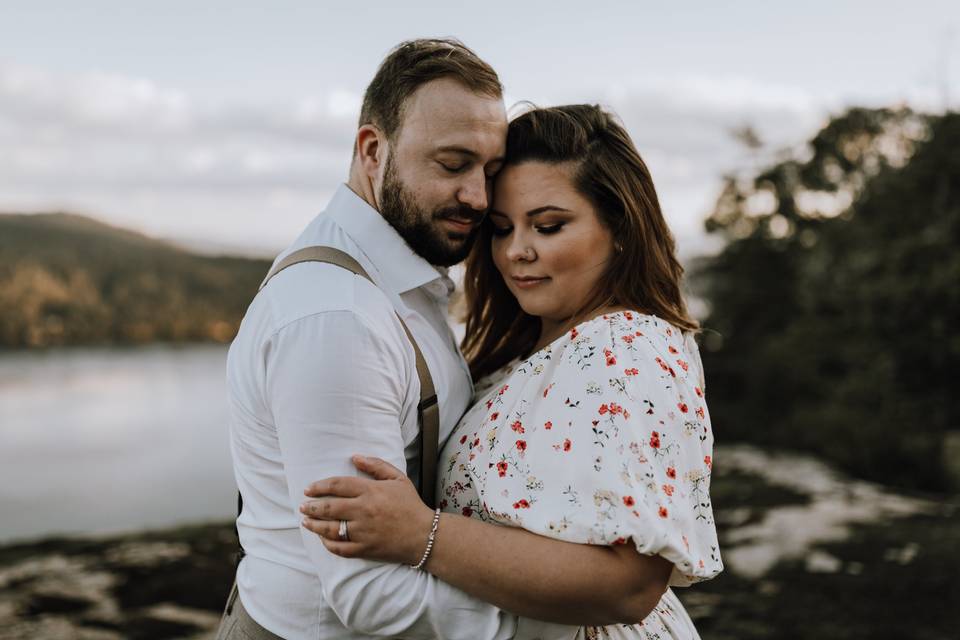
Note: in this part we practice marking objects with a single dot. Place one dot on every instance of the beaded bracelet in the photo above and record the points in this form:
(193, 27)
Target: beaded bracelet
(433, 534)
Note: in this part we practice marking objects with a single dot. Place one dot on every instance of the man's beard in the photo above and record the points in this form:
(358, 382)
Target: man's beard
(421, 229)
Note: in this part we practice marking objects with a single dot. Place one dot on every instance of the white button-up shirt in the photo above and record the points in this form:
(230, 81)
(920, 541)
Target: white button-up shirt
(321, 369)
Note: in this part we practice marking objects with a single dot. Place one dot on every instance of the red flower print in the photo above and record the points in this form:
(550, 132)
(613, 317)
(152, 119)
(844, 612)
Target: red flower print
(574, 333)
(672, 372)
(669, 331)
(629, 501)
(443, 503)
(615, 408)
(603, 409)
(628, 339)
(631, 372)
(517, 426)
(683, 365)
(548, 425)
(682, 406)
(476, 442)
(663, 512)
(489, 403)
(502, 468)
(707, 460)
(467, 511)
(701, 563)
(686, 543)
(671, 472)
(521, 504)
(628, 315)
(672, 350)
(494, 415)
(638, 334)
(663, 365)
(502, 389)
(547, 390)
(522, 445)
(463, 439)
(567, 444)
(620, 541)
(655, 440)
(698, 391)
(611, 359)
(700, 413)
(668, 489)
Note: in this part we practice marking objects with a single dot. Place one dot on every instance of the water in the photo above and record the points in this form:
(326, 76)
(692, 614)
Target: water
(108, 440)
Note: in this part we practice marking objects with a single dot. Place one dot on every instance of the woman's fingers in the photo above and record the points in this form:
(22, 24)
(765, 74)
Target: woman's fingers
(327, 508)
(379, 469)
(342, 486)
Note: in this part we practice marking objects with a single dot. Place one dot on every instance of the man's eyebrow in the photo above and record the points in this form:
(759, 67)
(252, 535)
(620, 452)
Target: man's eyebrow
(532, 212)
(466, 152)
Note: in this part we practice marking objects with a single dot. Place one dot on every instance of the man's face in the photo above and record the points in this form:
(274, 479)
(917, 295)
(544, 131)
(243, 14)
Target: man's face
(436, 184)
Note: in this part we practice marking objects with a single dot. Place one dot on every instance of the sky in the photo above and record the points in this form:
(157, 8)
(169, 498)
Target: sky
(226, 126)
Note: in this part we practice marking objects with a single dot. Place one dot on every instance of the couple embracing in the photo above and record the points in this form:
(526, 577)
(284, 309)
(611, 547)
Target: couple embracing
(550, 480)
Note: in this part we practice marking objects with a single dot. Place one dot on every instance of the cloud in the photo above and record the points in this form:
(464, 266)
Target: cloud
(145, 156)
(149, 157)
(683, 127)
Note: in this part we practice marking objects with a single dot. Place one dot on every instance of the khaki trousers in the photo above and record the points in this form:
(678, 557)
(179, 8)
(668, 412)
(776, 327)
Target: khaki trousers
(236, 623)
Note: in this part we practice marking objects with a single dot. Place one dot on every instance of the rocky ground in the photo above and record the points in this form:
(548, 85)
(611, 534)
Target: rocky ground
(809, 554)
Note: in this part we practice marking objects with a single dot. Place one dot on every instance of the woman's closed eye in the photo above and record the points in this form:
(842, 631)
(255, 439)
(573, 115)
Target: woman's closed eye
(545, 229)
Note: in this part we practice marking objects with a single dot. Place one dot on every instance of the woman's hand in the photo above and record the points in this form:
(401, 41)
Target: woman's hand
(386, 520)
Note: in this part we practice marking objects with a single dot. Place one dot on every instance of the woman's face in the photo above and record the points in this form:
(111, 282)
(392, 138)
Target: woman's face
(548, 242)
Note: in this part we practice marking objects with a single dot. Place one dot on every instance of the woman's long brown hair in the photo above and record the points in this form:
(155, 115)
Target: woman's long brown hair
(643, 273)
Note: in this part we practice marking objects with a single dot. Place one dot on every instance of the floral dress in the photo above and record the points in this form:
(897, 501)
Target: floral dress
(602, 437)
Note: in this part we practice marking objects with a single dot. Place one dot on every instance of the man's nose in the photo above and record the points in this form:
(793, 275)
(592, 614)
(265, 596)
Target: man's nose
(474, 192)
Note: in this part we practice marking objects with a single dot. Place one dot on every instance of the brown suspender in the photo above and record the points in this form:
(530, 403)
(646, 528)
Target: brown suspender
(428, 409)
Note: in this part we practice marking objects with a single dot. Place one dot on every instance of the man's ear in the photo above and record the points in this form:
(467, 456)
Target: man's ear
(371, 150)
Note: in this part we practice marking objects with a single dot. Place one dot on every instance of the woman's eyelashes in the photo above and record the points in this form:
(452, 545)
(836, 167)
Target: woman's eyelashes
(545, 229)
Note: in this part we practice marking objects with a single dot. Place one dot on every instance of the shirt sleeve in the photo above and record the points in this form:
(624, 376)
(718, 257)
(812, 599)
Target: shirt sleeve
(607, 441)
(337, 388)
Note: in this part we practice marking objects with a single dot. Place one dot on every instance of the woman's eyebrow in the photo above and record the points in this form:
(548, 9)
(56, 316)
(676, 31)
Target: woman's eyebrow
(544, 209)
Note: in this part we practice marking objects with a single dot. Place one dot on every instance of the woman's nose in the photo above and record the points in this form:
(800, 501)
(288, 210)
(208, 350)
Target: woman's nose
(519, 248)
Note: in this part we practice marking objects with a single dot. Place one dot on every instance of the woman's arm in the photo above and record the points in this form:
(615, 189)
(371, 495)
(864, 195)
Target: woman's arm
(521, 572)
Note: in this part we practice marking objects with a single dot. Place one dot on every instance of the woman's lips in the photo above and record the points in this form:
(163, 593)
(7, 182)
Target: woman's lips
(527, 282)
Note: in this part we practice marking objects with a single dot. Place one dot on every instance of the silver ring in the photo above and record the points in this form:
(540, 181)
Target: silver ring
(342, 532)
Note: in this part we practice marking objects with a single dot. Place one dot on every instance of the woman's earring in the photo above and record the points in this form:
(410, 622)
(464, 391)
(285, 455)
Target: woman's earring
(618, 247)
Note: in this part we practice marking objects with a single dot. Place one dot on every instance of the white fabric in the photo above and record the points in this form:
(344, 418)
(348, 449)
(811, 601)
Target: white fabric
(321, 369)
(602, 437)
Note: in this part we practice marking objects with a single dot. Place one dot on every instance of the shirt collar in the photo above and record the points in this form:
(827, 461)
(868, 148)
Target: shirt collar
(400, 268)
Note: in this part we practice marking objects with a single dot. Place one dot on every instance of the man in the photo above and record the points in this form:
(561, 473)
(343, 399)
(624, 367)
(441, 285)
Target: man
(322, 368)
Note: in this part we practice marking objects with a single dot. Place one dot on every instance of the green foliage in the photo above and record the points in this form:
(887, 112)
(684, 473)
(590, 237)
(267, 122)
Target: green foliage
(67, 279)
(832, 302)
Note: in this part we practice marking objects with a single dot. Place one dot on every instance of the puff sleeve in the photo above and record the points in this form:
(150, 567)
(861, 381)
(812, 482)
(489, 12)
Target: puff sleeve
(604, 438)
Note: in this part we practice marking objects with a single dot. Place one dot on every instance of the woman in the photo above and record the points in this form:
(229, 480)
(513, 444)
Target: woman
(589, 428)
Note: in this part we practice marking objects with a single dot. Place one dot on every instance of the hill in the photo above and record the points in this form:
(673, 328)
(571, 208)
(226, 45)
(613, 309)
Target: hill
(67, 279)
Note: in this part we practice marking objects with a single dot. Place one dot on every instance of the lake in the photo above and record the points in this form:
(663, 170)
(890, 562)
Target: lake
(102, 440)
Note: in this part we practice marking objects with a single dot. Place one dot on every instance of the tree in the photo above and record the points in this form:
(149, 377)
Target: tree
(831, 303)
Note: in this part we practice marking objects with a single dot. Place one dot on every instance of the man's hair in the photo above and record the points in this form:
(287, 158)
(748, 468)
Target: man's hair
(414, 63)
